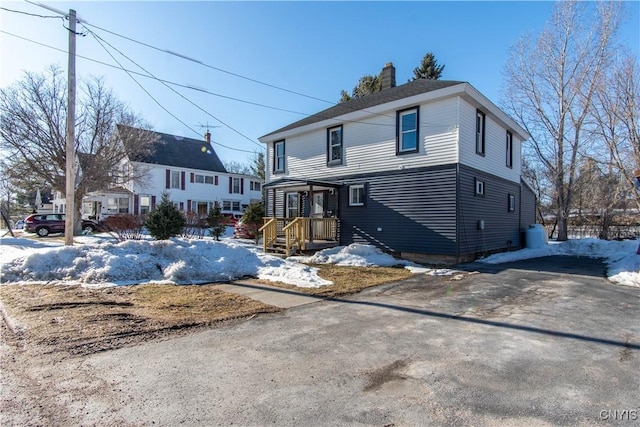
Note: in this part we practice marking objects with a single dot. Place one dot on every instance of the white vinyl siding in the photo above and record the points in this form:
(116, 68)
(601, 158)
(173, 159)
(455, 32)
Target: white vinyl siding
(371, 145)
(493, 161)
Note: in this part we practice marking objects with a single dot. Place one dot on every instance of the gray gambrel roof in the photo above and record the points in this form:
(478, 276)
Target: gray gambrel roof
(412, 88)
(176, 151)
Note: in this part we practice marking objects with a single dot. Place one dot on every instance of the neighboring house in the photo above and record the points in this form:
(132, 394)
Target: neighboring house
(188, 169)
(430, 167)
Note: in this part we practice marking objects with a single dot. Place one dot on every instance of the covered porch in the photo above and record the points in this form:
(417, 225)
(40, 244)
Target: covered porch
(302, 215)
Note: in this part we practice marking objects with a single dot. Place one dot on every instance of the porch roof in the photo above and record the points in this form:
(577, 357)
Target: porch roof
(302, 184)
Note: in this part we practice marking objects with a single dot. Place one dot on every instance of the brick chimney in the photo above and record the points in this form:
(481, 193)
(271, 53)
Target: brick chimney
(388, 76)
(207, 137)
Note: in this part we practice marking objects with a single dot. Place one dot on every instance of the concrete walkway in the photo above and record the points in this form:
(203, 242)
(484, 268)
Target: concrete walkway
(278, 297)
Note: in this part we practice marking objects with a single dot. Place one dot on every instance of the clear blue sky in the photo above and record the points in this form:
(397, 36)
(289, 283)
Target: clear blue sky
(314, 48)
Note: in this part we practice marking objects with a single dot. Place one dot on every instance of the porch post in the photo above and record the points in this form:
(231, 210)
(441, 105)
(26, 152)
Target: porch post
(311, 206)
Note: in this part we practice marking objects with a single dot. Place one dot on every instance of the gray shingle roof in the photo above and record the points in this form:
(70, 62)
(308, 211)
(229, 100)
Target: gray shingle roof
(406, 90)
(176, 151)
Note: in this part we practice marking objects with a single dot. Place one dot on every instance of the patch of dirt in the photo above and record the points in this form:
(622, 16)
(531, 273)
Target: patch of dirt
(77, 320)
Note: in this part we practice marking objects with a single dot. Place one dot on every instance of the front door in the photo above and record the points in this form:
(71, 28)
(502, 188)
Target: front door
(317, 210)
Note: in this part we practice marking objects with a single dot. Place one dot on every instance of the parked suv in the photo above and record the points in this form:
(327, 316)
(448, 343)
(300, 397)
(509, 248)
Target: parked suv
(45, 224)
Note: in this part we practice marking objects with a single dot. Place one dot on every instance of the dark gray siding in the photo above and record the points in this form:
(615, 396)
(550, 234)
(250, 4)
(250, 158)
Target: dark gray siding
(527, 207)
(501, 227)
(414, 209)
(278, 209)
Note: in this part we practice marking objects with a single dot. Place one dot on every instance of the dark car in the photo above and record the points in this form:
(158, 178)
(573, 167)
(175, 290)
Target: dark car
(45, 224)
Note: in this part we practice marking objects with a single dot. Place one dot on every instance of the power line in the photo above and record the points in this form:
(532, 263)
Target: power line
(197, 61)
(208, 92)
(185, 86)
(176, 92)
(223, 71)
(159, 104)
(31, 14)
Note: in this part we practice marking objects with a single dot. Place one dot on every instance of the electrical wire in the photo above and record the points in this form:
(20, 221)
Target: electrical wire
(32, 14)
(197, 61)
(100, 40)
(85, 24)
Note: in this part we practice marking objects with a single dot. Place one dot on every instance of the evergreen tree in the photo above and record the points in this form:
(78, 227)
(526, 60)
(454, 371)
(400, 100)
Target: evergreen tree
(165, 220)
(216, 222)
(428, 69)
(258, 165)
(366, 86)
(253, 218)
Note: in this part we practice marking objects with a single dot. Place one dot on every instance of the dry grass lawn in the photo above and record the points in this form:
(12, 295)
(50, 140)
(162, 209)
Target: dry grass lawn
(81, 320)
(349, 280)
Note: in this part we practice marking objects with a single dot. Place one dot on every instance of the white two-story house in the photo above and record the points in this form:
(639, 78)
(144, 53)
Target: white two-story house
(189, 170)
(429, 170)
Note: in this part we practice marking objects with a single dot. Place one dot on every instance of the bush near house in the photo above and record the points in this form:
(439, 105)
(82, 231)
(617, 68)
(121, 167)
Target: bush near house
(165, 221)
(217, 222)
(253, 218)
(124, 227)
(195, 226)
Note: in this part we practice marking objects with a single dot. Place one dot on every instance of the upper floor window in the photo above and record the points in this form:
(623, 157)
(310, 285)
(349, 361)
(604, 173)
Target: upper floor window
(407, 131)
(278, 156)
(334, 145)
(175, 179)
(254, 185)
(509, 149)
(480, 131)
(236, 186)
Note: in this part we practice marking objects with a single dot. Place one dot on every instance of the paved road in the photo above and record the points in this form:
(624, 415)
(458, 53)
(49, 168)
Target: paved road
(547, 342)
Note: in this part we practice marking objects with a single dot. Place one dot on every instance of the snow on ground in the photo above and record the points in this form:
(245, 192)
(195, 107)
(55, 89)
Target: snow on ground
(98, 260)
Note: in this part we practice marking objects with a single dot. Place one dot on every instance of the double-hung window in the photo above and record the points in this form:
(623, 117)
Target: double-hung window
(145, 204)
(175, 179)
(480, 132)
(235, 186)
(278, 156)
(334, 145)
(356, 195)
(407, 131)
(509, 149)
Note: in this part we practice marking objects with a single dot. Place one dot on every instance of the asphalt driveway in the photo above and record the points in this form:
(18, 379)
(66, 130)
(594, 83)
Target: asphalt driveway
(539, 342)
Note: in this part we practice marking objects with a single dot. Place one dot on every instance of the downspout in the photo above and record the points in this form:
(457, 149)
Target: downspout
(458, 207)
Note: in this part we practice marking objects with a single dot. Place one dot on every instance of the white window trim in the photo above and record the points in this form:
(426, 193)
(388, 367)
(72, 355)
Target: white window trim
(352, 202)
(512, 203)
(480, 188)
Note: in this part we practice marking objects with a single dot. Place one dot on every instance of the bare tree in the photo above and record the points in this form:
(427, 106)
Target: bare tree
(616, 114)
(32, 126)
(550, 87)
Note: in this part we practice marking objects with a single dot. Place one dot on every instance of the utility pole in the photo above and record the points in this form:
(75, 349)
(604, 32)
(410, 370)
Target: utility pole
(70, 143)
